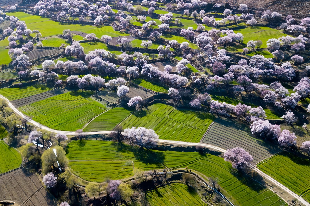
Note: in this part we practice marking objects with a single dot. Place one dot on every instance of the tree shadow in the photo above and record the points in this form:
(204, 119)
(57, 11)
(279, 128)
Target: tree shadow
(143, 155)
(85, 94)
(251, 179)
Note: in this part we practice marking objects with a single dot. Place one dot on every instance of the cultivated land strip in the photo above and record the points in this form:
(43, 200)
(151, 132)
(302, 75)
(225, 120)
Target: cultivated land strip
(176, 143)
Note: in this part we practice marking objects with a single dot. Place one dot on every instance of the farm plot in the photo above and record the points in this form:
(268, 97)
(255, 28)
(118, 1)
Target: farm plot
(97, 160)
(69, 111)
(9, 158)
(172, 124)
(150, 86)
(19, 93)
(106, 96)
(290, 170)
(174, 194)
(53, 42)
(228, 135)
(238, 188)
(33, 98)
(6, 75)
(24, 189)
(44, 25)
(135, 91)
(4, 53)
(108, 120)
(40, 53)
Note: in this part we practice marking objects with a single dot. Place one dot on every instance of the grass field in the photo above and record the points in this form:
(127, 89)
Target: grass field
(180, 39)
(97, 160)
(48, 27)
(53, 42)
(170, 123)
(174, 194)
(151, 86)
(9, 158)
(108, 120)
(97, 45)
(69, 111)
(3, 132)
(137, 43)
(6, 75)
(260, 33)
(19, 93)
(4, 53)
(290, 170)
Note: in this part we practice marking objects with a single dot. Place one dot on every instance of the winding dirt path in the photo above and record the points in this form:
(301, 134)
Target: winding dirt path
(176, 143)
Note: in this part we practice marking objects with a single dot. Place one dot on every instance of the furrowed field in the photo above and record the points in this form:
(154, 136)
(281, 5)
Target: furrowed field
(97, 160)
(69, 111)
(174, 194)
(108, 120)
(170, 123)
(292, 171)
(9, 158)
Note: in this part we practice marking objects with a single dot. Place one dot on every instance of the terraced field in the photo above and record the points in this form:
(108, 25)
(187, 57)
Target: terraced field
(108, 120)
(174, 194)
(172, 124)
(19, 93)
(151, 86)
(290, 170)
(69, 111)
(9, 158)
(228, 135)
(96, 160)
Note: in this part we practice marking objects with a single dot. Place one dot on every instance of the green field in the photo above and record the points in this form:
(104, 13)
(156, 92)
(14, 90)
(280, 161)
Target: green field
(53, 42)
(290, 170)
(271, 115)
(9, 158)
(18, 93)
(48, 27)
(97, 45)
(6, 75)
(137, 43)
(108, 120)
(97, 160)
(150, 85)
(260, 33)
(69, 111)
(172, 124)
(4, 53)
(174, 194)
(180, 39)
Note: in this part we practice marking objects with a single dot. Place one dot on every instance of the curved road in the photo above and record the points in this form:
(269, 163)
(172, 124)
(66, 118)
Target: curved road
(176, 143)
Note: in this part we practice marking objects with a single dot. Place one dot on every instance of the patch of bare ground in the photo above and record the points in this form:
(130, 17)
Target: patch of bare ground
(24, 189)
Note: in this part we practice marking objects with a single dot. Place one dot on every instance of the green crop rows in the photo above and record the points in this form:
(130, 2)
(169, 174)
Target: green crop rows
(170, 123)
(150, 86)
(108, 120)
(292, 171)
(174, 194)
(19, 93)
(228, 135)
(97, 160)
(9, 158)
(68, 111)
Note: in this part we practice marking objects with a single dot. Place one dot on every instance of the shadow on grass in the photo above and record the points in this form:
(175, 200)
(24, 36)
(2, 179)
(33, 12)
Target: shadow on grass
(143, 155)
(253, 180)
(85, 94)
